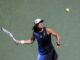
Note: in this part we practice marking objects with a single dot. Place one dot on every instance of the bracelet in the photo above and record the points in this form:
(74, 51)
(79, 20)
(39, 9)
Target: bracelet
(22, 41)
(58, 44)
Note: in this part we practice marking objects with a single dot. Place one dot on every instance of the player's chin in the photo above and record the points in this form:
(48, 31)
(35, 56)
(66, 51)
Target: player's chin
(40, 27)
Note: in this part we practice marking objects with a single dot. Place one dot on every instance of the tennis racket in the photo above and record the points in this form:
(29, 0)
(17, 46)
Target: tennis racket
(8, 33)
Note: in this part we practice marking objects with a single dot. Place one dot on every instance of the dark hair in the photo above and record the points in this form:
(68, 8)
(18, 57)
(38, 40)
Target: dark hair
(36, 29)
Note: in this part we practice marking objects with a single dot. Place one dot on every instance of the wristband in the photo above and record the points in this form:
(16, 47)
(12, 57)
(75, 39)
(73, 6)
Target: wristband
(22, 41)
(58, 44)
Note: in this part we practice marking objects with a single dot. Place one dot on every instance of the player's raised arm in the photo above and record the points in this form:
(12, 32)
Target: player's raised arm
(55, 34)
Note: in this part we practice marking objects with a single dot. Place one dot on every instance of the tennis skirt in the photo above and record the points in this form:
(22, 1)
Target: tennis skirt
(52, 55)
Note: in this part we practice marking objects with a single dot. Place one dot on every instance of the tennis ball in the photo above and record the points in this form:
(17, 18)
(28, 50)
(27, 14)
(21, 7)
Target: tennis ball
(67, 9)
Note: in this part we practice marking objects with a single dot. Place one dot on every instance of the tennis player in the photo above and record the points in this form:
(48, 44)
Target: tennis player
(42, 34)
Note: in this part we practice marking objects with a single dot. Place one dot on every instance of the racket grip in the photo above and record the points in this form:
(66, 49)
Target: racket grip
(14, 39)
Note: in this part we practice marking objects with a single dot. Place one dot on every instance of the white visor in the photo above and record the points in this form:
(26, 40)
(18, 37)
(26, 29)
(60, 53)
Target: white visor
(36, 21)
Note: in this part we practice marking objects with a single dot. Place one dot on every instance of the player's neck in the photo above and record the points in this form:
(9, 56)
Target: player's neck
(40, 29)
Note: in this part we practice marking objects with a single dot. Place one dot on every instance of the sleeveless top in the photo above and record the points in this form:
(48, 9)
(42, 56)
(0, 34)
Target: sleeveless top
(44, 41)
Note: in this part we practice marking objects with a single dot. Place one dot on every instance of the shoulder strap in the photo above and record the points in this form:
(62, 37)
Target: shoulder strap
(46, 31)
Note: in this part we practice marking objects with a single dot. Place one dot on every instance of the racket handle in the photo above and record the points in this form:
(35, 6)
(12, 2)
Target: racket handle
(14, 39)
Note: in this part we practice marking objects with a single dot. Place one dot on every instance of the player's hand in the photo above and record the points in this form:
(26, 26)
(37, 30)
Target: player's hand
(20, 42)
(17, 42)
(59, 45)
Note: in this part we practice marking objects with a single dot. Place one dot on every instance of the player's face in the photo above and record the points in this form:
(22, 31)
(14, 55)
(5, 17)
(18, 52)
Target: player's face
(40, 25)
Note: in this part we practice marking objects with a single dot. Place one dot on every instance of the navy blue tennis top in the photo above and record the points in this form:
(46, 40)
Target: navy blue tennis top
(44, 41)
